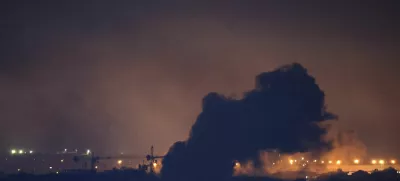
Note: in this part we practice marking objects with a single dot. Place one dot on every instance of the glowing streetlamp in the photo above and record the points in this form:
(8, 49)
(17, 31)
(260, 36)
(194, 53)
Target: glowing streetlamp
(393, 162)
(119, 162)
(356, 161)
(373, 162)
(338, 162)
(13, 152)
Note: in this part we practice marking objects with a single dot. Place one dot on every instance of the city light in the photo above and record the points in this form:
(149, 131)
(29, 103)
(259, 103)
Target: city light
(302, 158)
(291, 162)
(393, 161)
(30, 151)
(373, 162)
(338, 162)
(315, 161)
(119, 162)
(21, 151)
(381, 162)
(237, 164)
(13, 152)
(50, 168)
(330, 161)
(96, 167)
(62, 160)
(322, 162)
(356, 161)
(57, 172)
(154, 164)
(18, 169)
(87, 152)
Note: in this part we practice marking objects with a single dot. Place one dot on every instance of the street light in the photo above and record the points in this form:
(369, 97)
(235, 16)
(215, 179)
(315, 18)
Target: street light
(373, 162)
(356, 161)
(119, 162)
(13, 152)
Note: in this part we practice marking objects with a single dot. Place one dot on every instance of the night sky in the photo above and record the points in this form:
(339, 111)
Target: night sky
(118, 76)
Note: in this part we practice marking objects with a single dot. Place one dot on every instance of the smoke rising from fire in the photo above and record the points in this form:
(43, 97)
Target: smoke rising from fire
(282, 112)
(346, 148)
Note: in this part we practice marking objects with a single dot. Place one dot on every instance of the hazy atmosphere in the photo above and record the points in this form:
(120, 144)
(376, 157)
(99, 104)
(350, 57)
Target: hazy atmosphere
(110, 77)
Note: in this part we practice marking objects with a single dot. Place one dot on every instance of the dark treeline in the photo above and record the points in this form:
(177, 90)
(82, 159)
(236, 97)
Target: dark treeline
(133, 175)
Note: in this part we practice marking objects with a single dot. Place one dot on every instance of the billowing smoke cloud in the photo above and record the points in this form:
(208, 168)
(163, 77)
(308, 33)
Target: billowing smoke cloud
(282, 112)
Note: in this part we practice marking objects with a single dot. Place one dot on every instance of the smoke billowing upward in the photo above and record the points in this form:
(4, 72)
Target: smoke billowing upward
(282, 112)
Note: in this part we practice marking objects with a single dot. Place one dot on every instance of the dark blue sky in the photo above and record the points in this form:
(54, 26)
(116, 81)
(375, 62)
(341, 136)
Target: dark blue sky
(122, 75)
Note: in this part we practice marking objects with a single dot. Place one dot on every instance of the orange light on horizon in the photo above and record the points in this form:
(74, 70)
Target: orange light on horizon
(338, 162)
(356, 161)
(373, 162)
(393, 161)
(381, 162)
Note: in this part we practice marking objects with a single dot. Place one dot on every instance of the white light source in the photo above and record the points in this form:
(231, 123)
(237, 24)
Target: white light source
(21, 151)
(87, 152)
(119, 162)
(50, 168)
(62, 160)
(13, 152)
(30, 151)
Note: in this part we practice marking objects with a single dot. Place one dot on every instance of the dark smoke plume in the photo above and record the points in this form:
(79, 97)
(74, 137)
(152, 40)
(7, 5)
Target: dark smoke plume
(282, 112)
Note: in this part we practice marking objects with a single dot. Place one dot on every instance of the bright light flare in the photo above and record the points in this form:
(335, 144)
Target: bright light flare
(21, 151)
(330, 161)
(119, 162)
(88, 152)
(13, 152)
(291, 162)
(373, 162)
(237, 164)
(154, 164)
(356, 161)
(393, 161)
(381, 162)
(322, 162)
(30, 151)
(338, 162)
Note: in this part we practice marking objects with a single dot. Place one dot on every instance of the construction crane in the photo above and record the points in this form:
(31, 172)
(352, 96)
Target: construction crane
(93, 159)
(152, 160)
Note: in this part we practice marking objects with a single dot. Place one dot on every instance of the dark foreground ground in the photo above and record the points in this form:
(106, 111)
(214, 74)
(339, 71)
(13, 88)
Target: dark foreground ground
(134, 175)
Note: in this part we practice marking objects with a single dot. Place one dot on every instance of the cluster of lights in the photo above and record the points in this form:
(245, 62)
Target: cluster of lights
(339, 162)
(20, 152)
